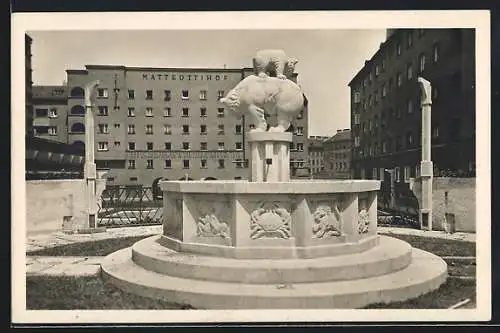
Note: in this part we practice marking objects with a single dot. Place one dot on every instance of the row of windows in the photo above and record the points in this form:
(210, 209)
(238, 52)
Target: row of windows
(408, 172)
(167, 94)
(44, 113)
(339, 166)
(104, 146)
(186, 164)
(388, 86)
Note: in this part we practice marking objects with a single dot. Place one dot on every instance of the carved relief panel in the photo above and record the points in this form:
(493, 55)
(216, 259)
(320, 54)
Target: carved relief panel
(211, 217)
(327, 221)
(363, 217)
(270, 220)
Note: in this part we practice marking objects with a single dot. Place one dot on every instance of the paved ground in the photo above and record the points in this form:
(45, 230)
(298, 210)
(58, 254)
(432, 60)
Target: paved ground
(87, 266)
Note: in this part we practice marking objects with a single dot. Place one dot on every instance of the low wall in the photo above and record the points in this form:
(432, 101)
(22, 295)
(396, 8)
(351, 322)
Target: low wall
(56, 205)
(461, 201)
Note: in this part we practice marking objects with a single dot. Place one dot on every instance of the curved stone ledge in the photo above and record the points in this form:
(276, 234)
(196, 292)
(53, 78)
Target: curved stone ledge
(269, 252)
(291, 187)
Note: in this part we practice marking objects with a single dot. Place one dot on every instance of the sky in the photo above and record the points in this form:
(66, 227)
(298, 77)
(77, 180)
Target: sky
(328, 59)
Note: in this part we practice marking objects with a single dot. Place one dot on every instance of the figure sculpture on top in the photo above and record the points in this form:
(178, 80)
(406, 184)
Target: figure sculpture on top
(270, 91)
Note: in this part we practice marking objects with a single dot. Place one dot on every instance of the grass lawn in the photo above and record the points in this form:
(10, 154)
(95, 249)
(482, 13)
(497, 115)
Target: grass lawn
(84, 293)
(440, 247)
(93, 248)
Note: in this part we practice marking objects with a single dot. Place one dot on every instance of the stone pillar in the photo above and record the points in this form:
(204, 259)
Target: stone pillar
(426, 167)
(270, 157)
(90, 171)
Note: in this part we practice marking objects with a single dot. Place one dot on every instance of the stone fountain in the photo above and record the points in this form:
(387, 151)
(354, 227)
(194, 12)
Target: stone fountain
(271, 242)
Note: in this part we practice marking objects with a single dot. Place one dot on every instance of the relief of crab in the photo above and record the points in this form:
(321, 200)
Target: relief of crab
(270, 222)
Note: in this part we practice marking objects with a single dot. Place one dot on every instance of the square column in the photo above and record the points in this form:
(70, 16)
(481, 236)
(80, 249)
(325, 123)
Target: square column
(270, 156)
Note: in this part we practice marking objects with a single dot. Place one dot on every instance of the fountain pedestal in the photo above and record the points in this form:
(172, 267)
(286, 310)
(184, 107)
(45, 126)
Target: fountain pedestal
(270, 156)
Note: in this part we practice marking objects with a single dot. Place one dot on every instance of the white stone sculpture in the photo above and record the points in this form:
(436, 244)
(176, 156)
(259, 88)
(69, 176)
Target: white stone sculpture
(326, 223)
(274, 63)
(258, 96)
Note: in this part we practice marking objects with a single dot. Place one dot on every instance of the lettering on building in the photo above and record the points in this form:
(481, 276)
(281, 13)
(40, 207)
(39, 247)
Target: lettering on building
(183, 77)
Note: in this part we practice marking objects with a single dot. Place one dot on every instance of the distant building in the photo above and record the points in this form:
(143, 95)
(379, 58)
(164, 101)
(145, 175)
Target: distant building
(154, 123)
(316, 155)
(385, 105)
(50, 116)
(337, 155)
(28, 85)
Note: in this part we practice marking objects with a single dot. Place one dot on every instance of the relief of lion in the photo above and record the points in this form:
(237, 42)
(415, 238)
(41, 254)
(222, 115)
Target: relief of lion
(274, 63)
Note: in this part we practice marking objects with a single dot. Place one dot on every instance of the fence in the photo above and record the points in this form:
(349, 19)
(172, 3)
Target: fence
(130, 206)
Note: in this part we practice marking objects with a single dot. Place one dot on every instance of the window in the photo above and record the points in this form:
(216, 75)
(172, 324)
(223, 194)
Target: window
(421, 61)
(203, 164)
(237, 129)
(220, 145)
(399, 79)
(131, 146)
(117, 144)
(203, 146)
(221, 164)
(376, 96)
(299, 131)
(102, 92)
(239, 164)
(149, 94)
(185, 94)
(167, 95)
(167, 112)
(149, 129)
(185, 112)
(301, 114)
(220, 129)
(421, 32)
(356, 141)
(398, 49)
(41, 113)
(185, 129)
(397, 174)
(149, 145)
(220, 94)
(131, 164)
(435, 53)
(185, 164)
(220, 112)
(383, 64)
(435, 132)
(102, 146)
(374, 173)
(300, 146)
(131, 112)
(398, 113)
(102, 110)
(185, 145)
(384, 90)
(370, 77)
(370, 101)
(203, 94)
(410, 106)
(239, 146)
(168, 164)
(407, 174)
(434, 92)
(409, 71)
(53, 113)
(203, 112)
(410, 39)
(384, 147)
(203, 129)
(381, 174)
(52, 130)
(131, 94)
(149, 164)
(149, 112)
(167, 129)
(377, 70)
(357, 97)
(409, 138)
(251, 126)
(103, 128)
(133, 179)
(131, 129)
(168, 145)
(117, 125)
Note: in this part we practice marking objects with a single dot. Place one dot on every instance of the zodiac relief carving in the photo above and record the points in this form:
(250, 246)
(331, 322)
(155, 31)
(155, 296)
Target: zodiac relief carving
(270, 221)
(363, 221)
(210, 226)
(326, 223)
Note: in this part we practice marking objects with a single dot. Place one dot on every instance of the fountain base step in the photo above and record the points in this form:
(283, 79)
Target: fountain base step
(424, 273)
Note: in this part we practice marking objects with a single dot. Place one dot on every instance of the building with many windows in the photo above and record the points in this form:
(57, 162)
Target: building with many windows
(153, 123)
(316, 155)
(385, 104)
(338, 155)
(28, 85)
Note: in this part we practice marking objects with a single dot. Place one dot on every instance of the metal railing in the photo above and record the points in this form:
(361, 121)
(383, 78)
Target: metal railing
(129, 206)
